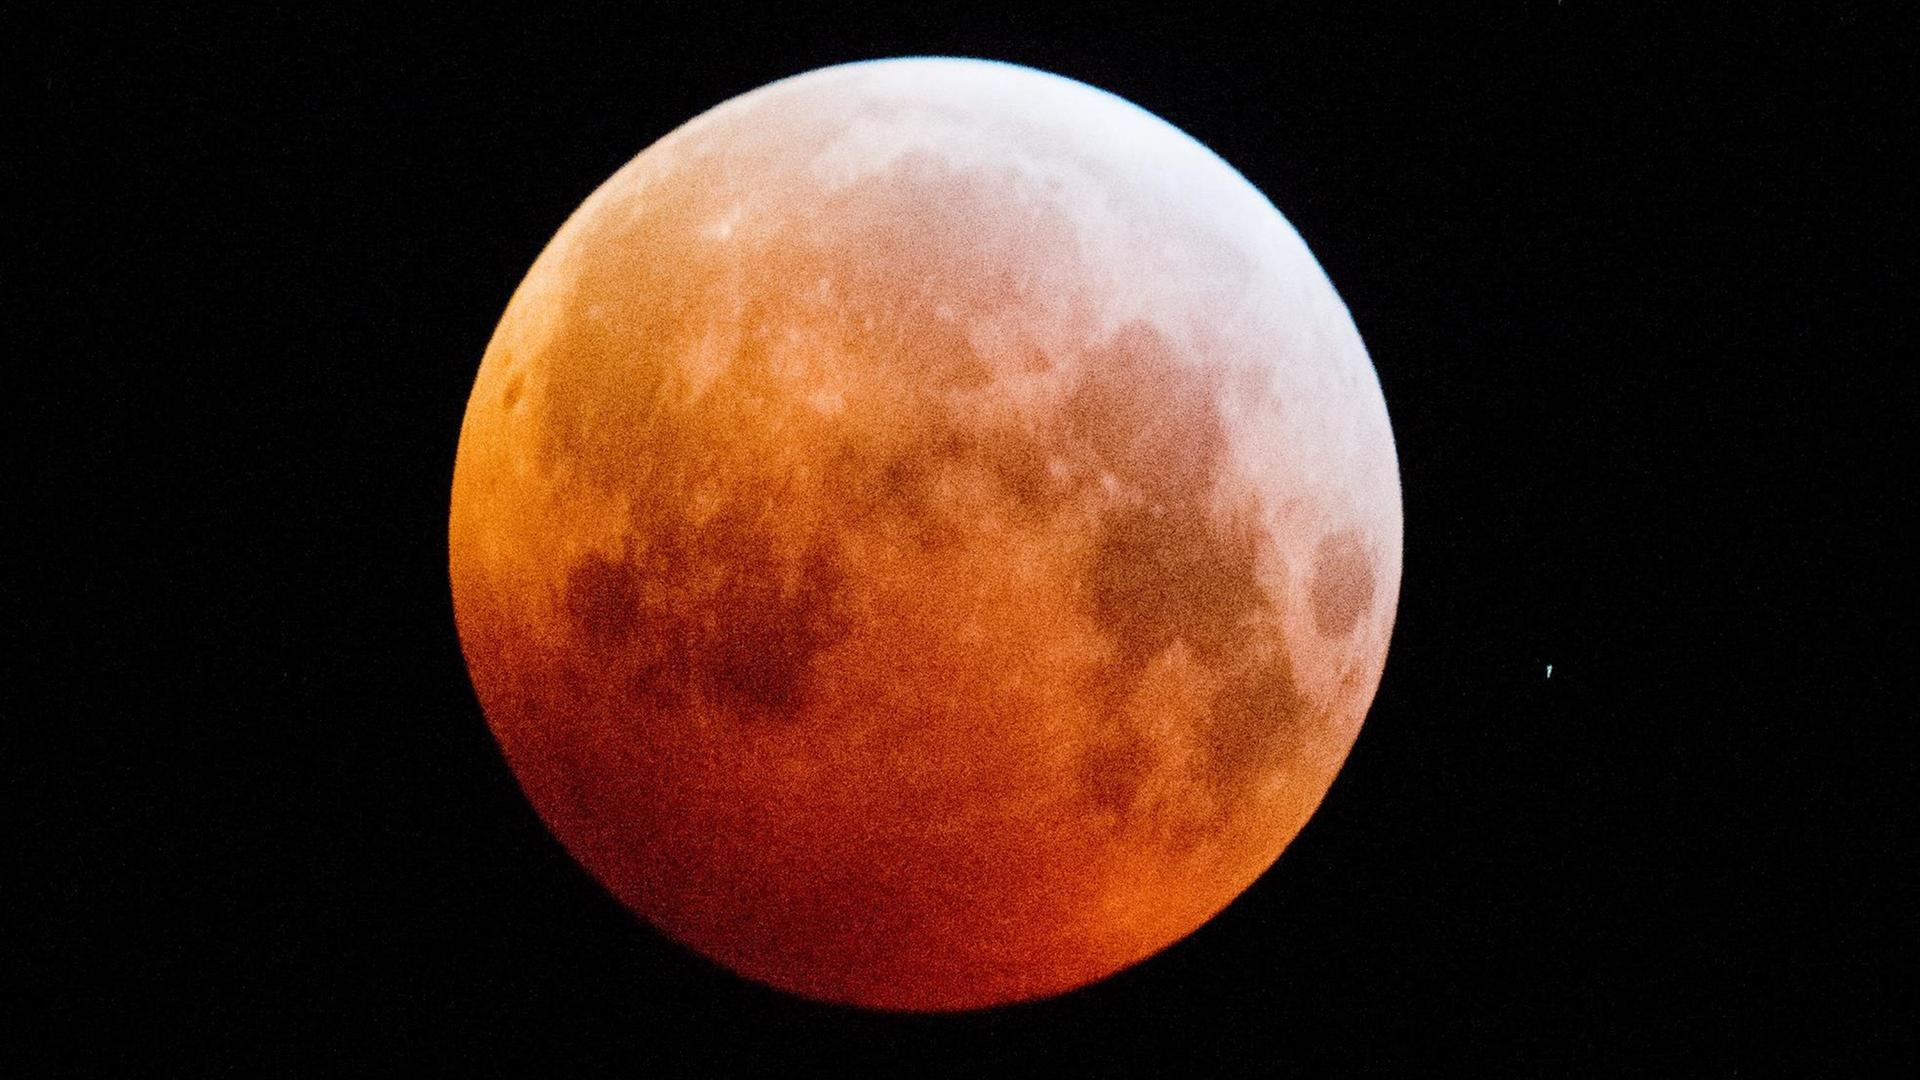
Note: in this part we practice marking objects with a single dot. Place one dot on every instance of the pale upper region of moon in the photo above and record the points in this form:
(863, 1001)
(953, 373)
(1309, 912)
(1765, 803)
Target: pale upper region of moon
(926, 533)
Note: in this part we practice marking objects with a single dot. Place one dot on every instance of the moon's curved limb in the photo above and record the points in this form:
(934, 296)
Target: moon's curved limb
(925, 534)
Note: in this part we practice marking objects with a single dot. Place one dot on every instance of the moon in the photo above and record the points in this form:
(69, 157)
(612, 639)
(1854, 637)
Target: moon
(925, 534)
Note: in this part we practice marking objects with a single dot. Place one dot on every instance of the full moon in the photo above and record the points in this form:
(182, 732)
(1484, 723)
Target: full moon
(925, 534)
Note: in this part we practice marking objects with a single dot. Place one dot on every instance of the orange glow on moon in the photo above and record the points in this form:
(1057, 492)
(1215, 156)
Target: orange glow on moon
(925, 534)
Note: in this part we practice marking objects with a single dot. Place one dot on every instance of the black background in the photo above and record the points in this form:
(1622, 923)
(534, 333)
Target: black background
(1624, 285)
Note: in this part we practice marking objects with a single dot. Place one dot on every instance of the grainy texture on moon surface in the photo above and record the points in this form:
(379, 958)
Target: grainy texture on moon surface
(925, 534)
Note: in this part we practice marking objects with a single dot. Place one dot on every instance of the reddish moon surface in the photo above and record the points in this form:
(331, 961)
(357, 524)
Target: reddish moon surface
(925, 534)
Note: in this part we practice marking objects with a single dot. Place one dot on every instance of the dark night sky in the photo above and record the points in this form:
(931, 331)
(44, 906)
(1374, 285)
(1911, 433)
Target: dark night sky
(1624, 288)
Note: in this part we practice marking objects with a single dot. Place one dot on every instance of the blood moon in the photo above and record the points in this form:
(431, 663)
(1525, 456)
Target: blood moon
(925, 534)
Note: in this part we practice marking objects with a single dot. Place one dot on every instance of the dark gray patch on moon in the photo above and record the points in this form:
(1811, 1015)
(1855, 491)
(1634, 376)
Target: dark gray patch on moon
(1112, 770)
(714, 610)
(1342, 589)
(603, 599)
(1252, 711)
